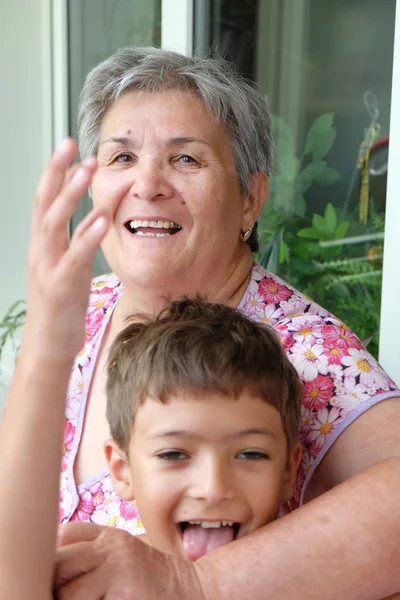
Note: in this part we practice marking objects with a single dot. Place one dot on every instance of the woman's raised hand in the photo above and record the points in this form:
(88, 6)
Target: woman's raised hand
(60, 269)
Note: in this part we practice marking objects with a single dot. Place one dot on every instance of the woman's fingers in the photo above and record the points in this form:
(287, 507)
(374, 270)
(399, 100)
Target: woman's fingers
(71, 533)
(87, 237)
(54, 239)
(52, 179)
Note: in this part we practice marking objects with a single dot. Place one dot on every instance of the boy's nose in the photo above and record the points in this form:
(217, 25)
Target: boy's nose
(214, 482)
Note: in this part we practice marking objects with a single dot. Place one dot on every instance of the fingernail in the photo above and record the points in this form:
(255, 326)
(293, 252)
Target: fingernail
(79, 176)
(100, 224)
(62, 145)
(89, 162)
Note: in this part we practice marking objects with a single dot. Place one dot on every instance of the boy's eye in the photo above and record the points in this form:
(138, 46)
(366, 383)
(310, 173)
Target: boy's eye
(171, 455)
(253, 455)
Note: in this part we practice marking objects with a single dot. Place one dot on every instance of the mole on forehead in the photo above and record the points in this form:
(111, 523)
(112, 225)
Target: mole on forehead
(128, 132)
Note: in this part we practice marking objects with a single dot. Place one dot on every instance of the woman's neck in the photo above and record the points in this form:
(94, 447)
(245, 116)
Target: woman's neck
(150, 301)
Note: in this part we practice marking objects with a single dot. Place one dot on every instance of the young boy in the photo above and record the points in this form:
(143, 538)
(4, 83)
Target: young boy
(203, 407)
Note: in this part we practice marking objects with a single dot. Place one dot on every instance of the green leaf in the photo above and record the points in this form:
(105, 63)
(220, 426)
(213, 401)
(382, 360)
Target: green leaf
(306, 249)
(284, 252)
(341, 230)
(309, 233)
(330, 218)
(284, 145)
(321, 136)
(318, 222)
(328, 177)
(310, 174)
(299, 205)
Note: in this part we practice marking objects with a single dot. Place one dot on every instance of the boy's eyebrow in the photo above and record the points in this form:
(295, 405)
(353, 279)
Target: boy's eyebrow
(192, 434)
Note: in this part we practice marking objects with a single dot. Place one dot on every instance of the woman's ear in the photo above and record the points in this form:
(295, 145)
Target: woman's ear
(290, 475)
(119, 470)
(258, 192)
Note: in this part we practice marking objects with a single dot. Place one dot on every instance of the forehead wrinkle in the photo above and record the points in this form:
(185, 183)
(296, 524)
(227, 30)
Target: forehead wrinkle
(127, 142)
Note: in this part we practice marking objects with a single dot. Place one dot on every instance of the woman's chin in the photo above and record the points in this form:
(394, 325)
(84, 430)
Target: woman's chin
(150, 272)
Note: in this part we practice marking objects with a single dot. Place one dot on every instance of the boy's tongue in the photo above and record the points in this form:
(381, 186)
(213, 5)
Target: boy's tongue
(198, 541)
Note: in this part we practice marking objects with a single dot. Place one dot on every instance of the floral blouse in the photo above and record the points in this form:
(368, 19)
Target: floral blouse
(341, 381)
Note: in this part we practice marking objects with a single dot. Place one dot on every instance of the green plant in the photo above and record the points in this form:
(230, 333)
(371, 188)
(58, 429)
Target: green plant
(319, 253)
(11, 323)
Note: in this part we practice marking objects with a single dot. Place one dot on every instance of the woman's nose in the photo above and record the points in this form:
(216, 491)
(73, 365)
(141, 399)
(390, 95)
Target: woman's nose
(214, 482)
(149, 182)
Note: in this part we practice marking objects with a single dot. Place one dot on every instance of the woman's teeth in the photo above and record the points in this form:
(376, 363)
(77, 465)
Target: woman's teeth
(155, 224)
(150, 234)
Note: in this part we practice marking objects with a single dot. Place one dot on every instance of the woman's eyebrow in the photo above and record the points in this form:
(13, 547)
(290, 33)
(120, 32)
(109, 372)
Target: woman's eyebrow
(181, 140)
(174, 141)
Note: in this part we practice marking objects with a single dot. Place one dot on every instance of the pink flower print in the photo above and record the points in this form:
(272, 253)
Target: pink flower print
(318, 392)
(66, 504)
(338, 335)
(97, 495)
(349, 394)
(76, 386)
(294, 306)
(307, 329)
(270, 314)
(325, 421)
(69, 434)
(309, 360)
(360, 363)
(85, 507)
(273, 292)
(72, 409)
(100, 300)
(82, 359)
(129, 510)
(254, 306)
(93, 324)
(109, 515)
(306, 418)
(335, 353)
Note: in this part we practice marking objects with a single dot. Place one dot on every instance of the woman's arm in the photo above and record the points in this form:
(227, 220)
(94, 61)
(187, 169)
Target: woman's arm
(343, 544)
(32, 425)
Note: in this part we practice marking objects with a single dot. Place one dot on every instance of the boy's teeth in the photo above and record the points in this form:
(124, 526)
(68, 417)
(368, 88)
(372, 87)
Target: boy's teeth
(212, 524)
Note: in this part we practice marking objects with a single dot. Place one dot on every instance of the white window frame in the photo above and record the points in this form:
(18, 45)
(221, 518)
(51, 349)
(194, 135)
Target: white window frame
(177, 26)
(177, 34)
(389, 343)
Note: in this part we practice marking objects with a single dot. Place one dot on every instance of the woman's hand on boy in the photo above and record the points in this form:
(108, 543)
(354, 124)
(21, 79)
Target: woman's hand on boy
(102, 563)
(59, 269)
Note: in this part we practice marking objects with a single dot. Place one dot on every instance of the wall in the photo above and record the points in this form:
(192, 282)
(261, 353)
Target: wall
(25, 124)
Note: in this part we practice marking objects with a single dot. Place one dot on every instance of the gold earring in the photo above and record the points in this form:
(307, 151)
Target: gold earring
(245, 236)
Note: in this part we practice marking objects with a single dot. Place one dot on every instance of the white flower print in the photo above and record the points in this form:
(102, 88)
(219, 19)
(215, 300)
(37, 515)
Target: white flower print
(309, 360)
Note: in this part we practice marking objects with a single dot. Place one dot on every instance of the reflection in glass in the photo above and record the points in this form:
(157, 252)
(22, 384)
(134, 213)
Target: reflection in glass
(96, 29)
(326, 68)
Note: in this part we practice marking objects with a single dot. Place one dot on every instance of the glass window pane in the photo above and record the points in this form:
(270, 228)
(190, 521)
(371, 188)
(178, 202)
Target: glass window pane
(96, 28)
(326, 68)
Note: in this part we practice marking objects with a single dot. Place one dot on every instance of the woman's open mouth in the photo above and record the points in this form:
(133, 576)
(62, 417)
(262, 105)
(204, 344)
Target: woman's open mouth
(144, 228)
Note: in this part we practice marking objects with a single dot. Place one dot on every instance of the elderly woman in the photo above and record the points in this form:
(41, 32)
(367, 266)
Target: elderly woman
(183, 148)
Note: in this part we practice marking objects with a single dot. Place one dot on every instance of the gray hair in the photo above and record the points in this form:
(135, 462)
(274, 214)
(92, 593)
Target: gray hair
(228, 97)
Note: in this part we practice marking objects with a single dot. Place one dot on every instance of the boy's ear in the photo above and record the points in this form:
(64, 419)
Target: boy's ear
(290, 475)
(119, 470)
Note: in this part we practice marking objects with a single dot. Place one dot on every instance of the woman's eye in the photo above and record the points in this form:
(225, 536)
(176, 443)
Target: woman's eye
(253, 455)
(123, 158)
(186, 159)
(171, 455)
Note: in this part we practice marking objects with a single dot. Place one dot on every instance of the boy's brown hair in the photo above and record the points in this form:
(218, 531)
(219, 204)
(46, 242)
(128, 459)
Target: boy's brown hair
(200, 347)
